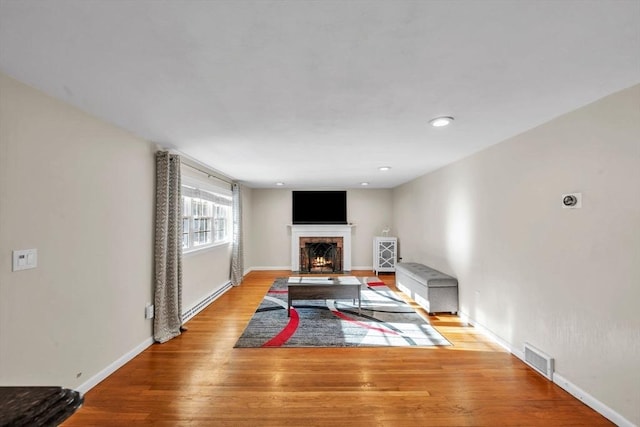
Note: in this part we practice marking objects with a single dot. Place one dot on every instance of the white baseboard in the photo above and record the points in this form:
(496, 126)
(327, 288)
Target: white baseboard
(288, 268)
(489, 334)
(558, 379)
(205, 301)
(591, 401)
(124, 359)
(96, 379)
(261, 268)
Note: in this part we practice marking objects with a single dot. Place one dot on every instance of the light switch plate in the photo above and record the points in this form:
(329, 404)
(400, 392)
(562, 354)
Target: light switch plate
(25, 259)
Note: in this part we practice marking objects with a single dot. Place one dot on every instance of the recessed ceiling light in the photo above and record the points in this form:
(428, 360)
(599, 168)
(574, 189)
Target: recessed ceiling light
(439, 122)
(384, 168)
(364, 184)
(279, 184)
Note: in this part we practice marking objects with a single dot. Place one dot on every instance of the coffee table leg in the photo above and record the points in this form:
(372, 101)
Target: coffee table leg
(289, 305)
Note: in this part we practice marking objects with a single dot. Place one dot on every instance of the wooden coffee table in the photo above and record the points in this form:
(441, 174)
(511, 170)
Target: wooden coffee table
(311, 288)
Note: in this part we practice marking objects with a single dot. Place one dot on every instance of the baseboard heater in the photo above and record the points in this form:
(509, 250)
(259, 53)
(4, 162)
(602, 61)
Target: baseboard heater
(539, 361)
(205, 302)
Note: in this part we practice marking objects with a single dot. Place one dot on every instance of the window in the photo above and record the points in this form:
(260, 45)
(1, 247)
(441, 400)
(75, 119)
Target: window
(205, 218)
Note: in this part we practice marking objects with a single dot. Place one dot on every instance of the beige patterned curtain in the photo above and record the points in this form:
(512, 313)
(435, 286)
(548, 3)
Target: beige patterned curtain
(167, 322)
(237, 265)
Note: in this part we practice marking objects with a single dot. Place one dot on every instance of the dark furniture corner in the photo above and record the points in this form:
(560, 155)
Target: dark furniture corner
(37, 406)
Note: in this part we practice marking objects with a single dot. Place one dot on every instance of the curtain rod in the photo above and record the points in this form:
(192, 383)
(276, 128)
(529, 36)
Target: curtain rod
(209, 174)
(186, 160)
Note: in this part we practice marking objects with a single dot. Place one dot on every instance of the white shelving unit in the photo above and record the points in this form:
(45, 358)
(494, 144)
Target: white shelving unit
(385, 254)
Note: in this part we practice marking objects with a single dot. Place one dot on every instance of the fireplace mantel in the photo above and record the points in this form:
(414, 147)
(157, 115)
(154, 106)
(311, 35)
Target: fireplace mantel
(321, 230)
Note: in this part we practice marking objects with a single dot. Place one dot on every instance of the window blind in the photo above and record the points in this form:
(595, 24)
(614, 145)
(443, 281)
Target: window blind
(199, 193)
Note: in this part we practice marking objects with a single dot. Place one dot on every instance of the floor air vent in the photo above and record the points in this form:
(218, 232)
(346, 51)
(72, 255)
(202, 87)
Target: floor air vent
(538, 361)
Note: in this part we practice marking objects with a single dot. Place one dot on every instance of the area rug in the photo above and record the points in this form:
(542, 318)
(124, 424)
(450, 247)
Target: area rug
(385, 320)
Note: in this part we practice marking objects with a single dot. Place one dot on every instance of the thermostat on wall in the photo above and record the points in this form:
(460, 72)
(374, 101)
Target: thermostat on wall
(25, 259)
(572, 201)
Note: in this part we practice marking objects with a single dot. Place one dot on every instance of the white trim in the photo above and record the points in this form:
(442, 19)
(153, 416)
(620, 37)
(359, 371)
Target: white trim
(288, 267)
(321, 230)
(205, 184)
(489, 334)
(198, 166)
(225, 211)
(204, 302)
(558, 379)
(127, 357)
(591, 401)
(114, 366)
(204, 248)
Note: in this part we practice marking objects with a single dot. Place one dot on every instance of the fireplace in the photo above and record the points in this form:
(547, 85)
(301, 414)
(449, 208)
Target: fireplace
(321, 254)
(321, 233)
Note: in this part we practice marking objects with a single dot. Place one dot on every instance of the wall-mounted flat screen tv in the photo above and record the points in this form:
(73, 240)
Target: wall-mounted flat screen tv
(319, 207)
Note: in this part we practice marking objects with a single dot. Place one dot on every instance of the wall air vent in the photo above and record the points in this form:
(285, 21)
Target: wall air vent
(539, 361)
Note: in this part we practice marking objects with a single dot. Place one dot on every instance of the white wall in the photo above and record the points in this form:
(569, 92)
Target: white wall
(370, 210)
(566, 281)
(203, 273)
(270, 239)
(206, 271)
(81, 192)
(247, 227)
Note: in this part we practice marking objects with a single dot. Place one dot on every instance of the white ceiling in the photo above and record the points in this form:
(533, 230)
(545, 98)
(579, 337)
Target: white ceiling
(321, 93)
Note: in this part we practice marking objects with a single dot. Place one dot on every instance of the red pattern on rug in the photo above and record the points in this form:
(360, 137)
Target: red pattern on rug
(383, 310)
(286, 333)
(376, 284)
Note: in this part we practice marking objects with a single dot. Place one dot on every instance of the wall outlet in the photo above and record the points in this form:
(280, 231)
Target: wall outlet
(148, 311)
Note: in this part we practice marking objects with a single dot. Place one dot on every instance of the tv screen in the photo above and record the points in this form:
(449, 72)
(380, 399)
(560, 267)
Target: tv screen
(319, 207)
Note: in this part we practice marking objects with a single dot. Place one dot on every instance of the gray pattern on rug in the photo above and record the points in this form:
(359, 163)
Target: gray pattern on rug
(386, 320)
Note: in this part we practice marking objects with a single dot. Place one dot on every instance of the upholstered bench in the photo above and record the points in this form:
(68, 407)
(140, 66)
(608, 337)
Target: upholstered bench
(435, 291)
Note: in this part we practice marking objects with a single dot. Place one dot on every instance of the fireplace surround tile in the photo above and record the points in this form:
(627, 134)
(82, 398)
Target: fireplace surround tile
(320, 231)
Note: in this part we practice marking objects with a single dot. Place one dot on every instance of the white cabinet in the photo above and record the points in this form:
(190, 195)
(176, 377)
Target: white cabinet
(385, 253)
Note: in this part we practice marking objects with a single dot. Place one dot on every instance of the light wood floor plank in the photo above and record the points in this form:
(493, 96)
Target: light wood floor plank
(199, 379)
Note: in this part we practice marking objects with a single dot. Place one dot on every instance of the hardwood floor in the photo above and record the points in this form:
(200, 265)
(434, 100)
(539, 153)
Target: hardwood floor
(199, 379)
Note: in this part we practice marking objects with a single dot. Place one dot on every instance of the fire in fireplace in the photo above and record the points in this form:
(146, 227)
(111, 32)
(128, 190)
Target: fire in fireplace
(321, 255)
